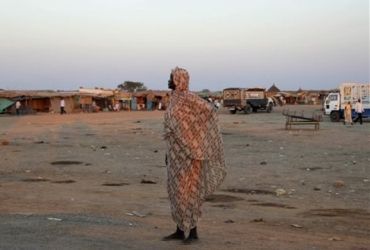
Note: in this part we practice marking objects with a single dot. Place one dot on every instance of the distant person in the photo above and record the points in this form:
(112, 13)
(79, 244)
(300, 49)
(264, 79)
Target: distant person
(62, 106)
(359, 109)
(160, 105)
(217, 104)
(348, 114)
(18, 107)
(195, 159)
(117, 107)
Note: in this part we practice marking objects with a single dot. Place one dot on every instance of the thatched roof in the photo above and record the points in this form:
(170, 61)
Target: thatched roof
(273, 88)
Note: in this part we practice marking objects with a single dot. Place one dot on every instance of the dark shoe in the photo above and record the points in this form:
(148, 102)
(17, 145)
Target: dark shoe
(193, 236)
(178, 235)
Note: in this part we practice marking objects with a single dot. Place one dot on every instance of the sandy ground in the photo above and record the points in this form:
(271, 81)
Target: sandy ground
(98, 181)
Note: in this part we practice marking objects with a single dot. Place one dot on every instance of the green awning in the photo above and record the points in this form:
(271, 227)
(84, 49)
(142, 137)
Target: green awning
(4, 104)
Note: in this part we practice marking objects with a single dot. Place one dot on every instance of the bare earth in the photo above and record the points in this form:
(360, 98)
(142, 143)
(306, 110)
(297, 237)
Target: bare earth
(76, 182)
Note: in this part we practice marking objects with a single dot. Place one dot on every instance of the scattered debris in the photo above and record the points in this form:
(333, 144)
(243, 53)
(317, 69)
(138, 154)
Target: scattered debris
(66, 163)
(249, 191)
(38, 179)
(4, 142)
(225, 206)
(280, 192)
(339, 184)
(229, 221)
(263, 163)
(258, 220)
(135, 213)
(339, 212)
(296, 226)
(64, 181)
(117, 184)
(316, 188)
(155, 151)
(103, 147)
(335, 239)
(271, 204)
(222, 198)
(54, 219)
(291, 191)
(144, 181)
(39, 142)
(312, 169)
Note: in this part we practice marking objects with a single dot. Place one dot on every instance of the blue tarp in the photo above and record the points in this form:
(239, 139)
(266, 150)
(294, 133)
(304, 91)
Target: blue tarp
(4, 104)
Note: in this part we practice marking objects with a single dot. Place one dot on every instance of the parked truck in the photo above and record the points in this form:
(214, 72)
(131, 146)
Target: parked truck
(348, 92)
(246, 100)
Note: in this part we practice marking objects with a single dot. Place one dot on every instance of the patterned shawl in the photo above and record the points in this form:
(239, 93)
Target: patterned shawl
(196, 165)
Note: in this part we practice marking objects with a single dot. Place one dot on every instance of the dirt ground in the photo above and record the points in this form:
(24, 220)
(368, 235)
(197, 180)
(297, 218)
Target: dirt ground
(98, 181)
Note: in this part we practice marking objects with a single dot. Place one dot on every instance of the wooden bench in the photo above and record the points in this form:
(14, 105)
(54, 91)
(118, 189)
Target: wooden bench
(292, 118)
(288, 124)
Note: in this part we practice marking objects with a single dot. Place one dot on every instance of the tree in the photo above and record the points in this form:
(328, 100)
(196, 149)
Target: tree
(131, 86)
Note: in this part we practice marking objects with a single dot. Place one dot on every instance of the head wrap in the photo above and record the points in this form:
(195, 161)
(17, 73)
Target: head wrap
(180, 78)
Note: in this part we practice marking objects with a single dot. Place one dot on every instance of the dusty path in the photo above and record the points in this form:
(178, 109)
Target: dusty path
(75, 182)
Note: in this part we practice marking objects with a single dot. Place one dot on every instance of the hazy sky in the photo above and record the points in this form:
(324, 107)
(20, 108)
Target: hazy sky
(64, 44)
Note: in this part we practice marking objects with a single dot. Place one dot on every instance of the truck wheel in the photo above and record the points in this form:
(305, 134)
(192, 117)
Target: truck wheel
(232, 111)
(334, 116)
(247, 109)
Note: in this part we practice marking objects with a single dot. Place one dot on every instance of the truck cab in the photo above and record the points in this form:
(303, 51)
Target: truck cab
(332, 106)
(348, 92)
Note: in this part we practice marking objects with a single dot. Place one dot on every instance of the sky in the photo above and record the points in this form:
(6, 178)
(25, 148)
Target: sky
(63, 45)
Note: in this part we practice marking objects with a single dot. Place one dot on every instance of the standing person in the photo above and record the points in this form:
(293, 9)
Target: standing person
(62, 105)
(194, 158)
(217, 104)
(359, 109)
(18, 107)
(348, 114)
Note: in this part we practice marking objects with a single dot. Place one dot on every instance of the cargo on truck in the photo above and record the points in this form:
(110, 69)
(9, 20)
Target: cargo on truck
(246, 100)
(348, 92)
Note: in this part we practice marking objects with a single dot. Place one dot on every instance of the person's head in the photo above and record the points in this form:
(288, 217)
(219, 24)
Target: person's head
(349, 102)
(179, 79)
(359, 100)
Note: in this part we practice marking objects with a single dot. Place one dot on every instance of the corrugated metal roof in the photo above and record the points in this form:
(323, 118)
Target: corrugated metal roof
(4, 104)
(36, 93)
